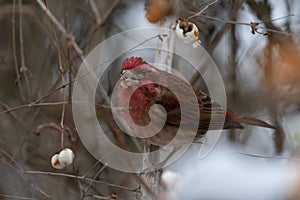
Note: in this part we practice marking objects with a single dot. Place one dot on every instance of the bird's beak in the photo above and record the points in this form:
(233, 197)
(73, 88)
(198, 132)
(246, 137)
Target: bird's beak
(122, 72)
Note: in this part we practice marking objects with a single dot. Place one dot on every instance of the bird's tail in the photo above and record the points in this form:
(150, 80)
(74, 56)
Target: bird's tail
(253, 121)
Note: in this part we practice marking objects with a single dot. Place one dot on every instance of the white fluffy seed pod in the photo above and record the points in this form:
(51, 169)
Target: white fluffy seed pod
(66, 157)
(55, 162)
(170, 179)
(188, 32)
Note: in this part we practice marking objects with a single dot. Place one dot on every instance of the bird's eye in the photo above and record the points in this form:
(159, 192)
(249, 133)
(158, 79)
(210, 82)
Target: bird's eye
(122, 72)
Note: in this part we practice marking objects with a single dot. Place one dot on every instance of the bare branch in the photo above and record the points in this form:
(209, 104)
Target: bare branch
(247, 24)
(69, 36)
(95, 11)
(15, 54)
(23, 68)
(16, 197)
(201, 11)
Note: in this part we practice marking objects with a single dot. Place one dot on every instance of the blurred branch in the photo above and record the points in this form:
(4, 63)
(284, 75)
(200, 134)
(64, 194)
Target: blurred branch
(202, 10)
(16, 197)
(5, 156)
(38, 101)
(15, 54)
(6, 107)
(101, 197)
(22, 172)
(80, 178)
(234, 46)
(251, 24)
(151, 179)
(51, 125)
(23, 68)
(101, 21)
(263, 11)
(95, 177)
(61, 71)
(95, 11)
(68, 35)
(109, 12)
(29, 106)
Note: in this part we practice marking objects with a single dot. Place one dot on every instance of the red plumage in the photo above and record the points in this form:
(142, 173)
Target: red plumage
(140, 79)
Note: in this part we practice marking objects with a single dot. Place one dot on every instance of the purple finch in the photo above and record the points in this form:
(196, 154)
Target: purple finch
(139, 91)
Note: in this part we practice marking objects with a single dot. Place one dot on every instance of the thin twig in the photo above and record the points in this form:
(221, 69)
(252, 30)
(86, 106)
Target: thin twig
(21, 171)
(51, 125)
(70, 65)
(250, 155)
(95, 177)
(61, 71)
(94, 68)
(80, 178)
(69, 36)
(109, 11)
(90, 170)
(15, 53)
(247, 24)
(81, 188)
(52, 17)
(2, 158)
(99, 197)
(38, 101)
(6, 107)
(23, 68)
(201, 11)
(30, 105)
(279, 18)
(17, 197)
(71, 41)
(102, 21)
(95, 11)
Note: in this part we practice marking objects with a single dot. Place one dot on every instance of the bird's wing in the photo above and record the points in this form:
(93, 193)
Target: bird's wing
(213, 116)
(207, 107)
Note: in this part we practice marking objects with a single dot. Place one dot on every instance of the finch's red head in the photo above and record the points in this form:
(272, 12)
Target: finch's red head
(132, 62)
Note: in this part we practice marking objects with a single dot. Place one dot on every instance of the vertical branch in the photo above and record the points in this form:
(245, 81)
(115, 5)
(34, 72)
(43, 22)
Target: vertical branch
(95, 11)
(63, 106)
(23, 68)
(61, 71)
(263, 11)
(233, 59)
(60, 28)
(69, 76)
(15, 52)
(70, 64)
(150, 180)
(233, 71)
(165, 58)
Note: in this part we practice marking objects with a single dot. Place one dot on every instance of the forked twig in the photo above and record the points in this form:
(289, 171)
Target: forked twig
(201, 11)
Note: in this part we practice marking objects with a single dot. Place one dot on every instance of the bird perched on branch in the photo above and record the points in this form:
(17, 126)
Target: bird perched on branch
(140, 89)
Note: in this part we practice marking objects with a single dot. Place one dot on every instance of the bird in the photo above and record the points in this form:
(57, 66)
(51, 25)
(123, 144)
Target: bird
(139, 91)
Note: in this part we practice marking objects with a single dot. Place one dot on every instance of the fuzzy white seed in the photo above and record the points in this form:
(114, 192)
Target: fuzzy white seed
(190, 35)
(66, 157)
(55, 162)
(170, 179)
(179, 32)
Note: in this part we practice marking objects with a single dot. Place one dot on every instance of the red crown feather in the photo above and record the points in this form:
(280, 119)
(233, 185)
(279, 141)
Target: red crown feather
(132, 62)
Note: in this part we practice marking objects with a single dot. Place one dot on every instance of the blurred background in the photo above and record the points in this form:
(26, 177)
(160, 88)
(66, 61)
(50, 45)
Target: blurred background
(254, 43)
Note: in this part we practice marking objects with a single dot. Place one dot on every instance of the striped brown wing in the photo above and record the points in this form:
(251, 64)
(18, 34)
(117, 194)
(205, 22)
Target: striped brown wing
(212, 114)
